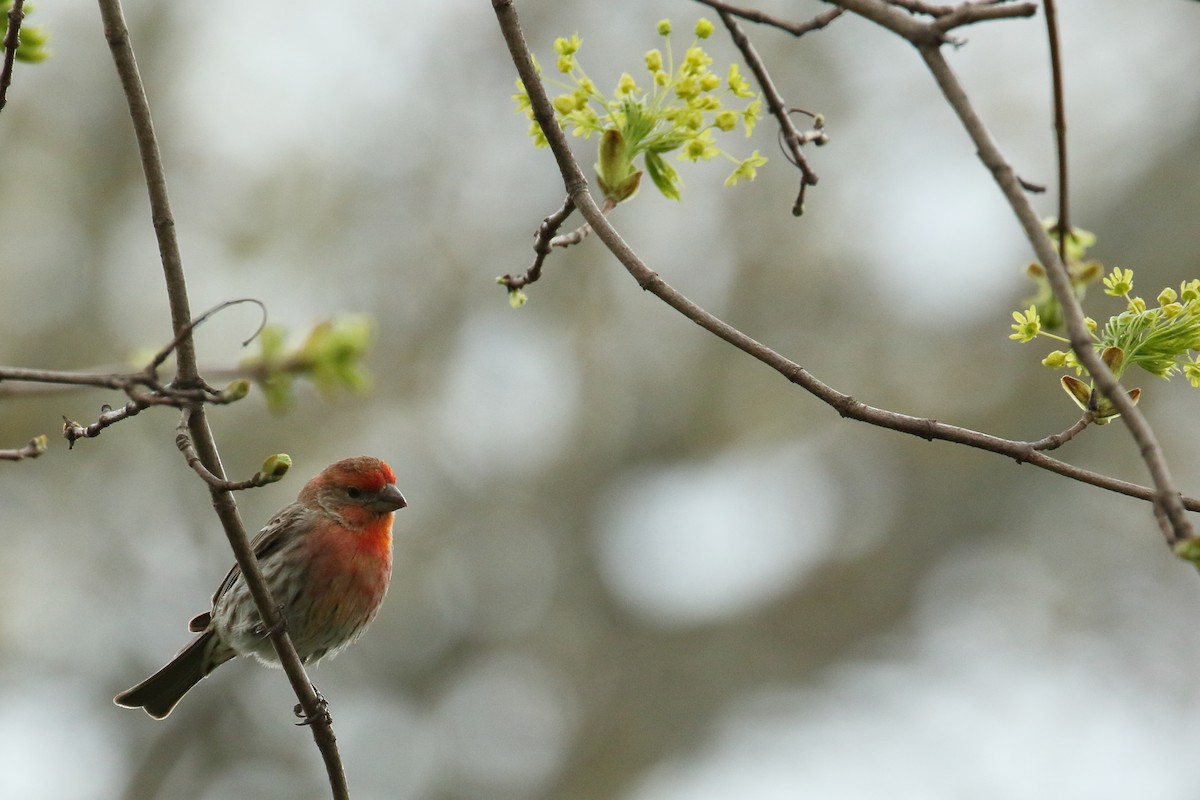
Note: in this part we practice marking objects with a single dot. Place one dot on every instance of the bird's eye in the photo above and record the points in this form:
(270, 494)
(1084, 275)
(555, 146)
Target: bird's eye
(354, 492)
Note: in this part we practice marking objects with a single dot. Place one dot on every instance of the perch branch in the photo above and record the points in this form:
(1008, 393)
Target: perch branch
(116, 32)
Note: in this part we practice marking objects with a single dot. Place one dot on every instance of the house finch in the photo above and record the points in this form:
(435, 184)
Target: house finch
(327, 559)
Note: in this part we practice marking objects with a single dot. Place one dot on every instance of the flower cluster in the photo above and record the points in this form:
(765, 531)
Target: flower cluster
(682, 108)
(1162, 339)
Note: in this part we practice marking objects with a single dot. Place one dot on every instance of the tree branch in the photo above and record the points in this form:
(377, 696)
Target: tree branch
(12, 40)
(776, 105)
(542, 242)
(1060, 130)
(116, 32)
(845, 405)
(796, 29)
(37, 446)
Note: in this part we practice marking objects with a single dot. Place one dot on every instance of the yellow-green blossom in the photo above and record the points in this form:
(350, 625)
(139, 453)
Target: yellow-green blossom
(626, 85)
(751, 115)
(700, 148)
(1163, 340)
(726, 120)
(746, 170)
(737, 84)
(564, 104)
(695, 60)
(1119, 282)
(686, 105)
(568, 47)
(1055, 359)
(1027, 325)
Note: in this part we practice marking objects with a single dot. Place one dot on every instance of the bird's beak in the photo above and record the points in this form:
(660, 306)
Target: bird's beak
(389, 499)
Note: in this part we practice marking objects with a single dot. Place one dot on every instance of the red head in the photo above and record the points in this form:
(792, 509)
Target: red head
(353, 486)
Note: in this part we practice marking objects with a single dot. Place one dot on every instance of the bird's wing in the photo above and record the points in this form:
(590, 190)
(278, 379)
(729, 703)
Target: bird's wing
(272, 536)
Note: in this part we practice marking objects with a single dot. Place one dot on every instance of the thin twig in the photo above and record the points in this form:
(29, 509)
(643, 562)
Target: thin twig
(794, 28)
(163, 354)
(970, 13)
(74, 431)
(187, 375)
(579, 234)
(95, 379)
(12, 40)
(776, 105)
(541, 247)
(1031, 186)
(139, 402)
(845, 405)
(1060, 130)
(37, 445)
(130, 383)
(1057, 440)
(183, 440)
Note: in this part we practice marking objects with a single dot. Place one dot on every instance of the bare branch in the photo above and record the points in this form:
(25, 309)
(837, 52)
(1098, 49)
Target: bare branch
(74, 431)
(98, 380)
(140, 401)
(1057, 440)
(893, 16)
(579, 234)
(970, 13)
(542, 241)
(1060, 131)
(794, 28)
(183, 440)
(37, 446)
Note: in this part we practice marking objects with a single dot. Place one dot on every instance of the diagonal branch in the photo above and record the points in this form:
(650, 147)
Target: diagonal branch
(187, 375)
(845, 405)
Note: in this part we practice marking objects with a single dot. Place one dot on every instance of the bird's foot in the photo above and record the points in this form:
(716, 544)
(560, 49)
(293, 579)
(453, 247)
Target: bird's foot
(322, 715)
(264, 630)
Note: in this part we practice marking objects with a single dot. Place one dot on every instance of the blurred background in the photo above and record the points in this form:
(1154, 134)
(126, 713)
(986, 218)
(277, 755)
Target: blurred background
(636, 564)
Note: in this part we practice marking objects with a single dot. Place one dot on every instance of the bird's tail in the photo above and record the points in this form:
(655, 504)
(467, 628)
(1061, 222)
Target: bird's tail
(159, 693)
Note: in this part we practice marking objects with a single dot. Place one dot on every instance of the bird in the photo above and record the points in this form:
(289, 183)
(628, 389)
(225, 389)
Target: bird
(327, 559)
